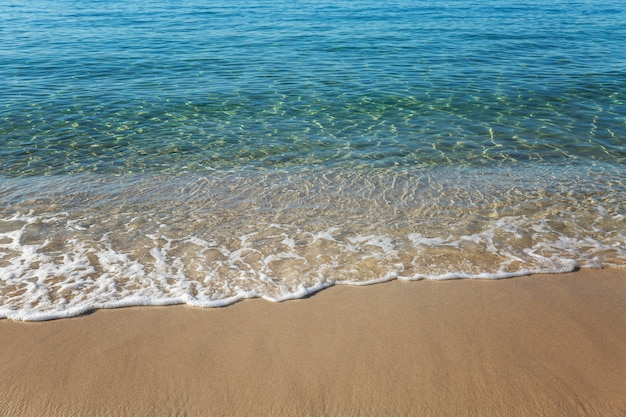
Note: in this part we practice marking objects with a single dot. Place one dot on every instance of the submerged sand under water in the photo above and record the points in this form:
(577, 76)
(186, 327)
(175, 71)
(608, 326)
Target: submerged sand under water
(79, 243)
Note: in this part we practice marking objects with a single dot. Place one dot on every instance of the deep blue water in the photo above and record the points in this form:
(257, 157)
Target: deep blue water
(159, 151)
(126, 86)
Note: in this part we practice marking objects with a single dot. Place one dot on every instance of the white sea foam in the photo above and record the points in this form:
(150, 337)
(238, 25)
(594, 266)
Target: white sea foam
(39, 285)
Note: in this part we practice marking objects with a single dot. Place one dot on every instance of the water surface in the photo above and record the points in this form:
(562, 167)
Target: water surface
(162, 152)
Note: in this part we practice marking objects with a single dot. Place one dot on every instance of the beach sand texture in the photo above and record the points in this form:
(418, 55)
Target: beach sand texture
(543, 345)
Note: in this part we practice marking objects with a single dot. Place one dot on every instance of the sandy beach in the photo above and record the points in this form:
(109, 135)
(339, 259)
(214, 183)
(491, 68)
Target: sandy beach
(543, 345)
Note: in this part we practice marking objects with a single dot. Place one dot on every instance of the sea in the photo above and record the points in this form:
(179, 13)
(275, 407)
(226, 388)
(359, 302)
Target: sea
(161, 152)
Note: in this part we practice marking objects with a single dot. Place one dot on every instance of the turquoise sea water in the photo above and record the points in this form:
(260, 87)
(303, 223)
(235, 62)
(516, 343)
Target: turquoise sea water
(163, 152)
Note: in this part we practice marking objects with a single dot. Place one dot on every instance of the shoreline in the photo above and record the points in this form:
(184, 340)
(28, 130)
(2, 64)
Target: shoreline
(526, 346)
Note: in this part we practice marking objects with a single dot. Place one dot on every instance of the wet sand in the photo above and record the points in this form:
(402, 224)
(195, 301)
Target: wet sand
(543, 345)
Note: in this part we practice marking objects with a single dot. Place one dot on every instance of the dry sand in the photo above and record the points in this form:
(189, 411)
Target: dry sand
(532, 346)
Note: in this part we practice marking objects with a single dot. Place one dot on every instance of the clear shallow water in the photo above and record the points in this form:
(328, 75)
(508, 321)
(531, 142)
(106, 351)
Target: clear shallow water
(157, 152)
